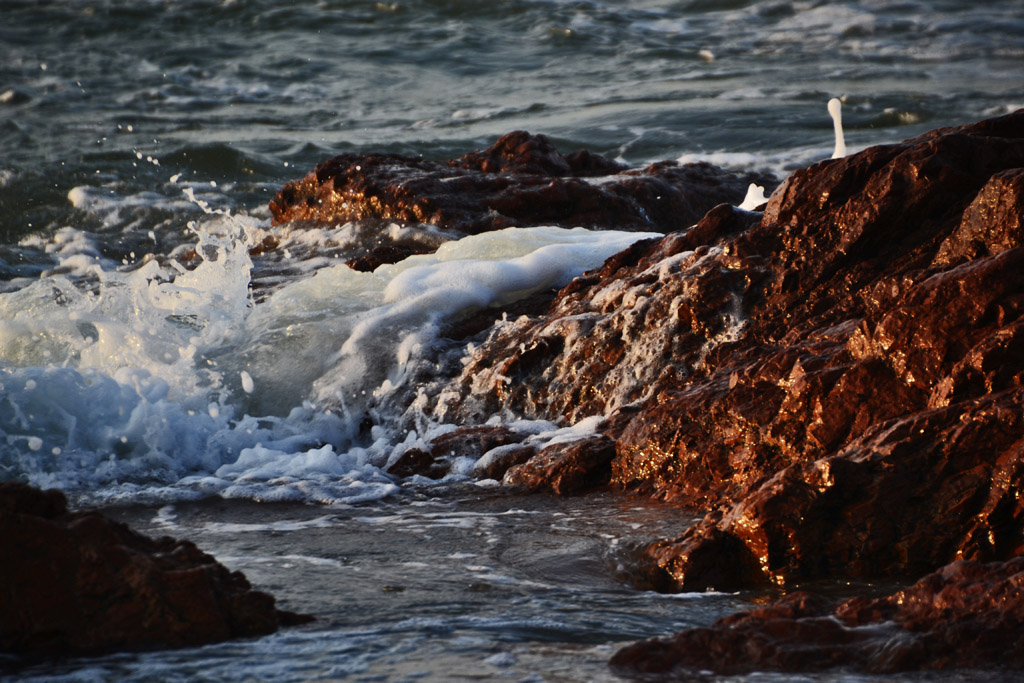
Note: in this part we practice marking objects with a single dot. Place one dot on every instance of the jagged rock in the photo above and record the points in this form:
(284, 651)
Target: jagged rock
(836, 382)
(967, 615)
(521, 180)
(78, 583)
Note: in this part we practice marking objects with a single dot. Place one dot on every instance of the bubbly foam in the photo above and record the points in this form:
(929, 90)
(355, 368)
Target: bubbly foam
(168, 381)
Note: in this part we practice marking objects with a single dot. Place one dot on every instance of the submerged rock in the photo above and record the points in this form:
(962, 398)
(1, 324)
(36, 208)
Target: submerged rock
(967, 615)
(464, 442)
(521, 180)
(78, 583)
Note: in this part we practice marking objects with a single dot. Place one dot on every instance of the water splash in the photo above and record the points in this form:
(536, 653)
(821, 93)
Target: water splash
(835, 110)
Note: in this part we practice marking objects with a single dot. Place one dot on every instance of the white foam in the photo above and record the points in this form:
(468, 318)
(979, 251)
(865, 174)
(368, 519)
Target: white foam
(167, 383)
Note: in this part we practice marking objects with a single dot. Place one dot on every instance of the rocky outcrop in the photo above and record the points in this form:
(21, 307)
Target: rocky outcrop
(837, 383)
(78, 583)
(521, 180)
(967, 615)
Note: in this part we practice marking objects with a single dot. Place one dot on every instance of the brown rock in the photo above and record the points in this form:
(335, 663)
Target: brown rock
(500, 460)
(966, 615)
(78, 583)
(837, 383)
(471, 442)
(566, 468)
(521, 180)
(378, 256)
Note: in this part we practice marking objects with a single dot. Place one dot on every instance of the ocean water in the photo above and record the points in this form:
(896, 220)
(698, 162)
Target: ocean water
(150, 365)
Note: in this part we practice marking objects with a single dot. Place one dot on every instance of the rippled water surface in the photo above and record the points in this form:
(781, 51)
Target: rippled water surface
(150, 362)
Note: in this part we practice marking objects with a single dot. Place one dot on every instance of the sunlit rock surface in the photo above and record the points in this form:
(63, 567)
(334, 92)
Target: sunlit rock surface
(834, 383)
(78, 583)
(838, 381)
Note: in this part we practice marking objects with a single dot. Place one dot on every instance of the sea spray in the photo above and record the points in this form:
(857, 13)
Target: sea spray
(167, 381)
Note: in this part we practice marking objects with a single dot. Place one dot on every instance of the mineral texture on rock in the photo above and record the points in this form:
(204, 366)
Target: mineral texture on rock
(837, 383)
(967, 615)
(521, 180)
(79, 583)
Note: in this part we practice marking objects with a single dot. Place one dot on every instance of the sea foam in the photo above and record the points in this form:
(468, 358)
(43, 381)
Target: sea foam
(167, 381)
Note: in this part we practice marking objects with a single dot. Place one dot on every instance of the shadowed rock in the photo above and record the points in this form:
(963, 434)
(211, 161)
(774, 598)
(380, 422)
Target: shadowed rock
(472, 442)
(521, 180)
(78, 583)
(566, 468)
(967, 615)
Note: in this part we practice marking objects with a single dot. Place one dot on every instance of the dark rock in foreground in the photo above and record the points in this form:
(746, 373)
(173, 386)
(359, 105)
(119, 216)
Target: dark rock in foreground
(522, 180)
(967, 615)
(78, 583)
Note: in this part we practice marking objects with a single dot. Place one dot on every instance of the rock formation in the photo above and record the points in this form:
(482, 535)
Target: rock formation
(78, 583)
(521, 180)
(835, 383)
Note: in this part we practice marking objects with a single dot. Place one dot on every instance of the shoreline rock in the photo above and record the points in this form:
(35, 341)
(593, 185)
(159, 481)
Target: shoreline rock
(77, 583)
(835, 383)
(521, 180)
(966, 615)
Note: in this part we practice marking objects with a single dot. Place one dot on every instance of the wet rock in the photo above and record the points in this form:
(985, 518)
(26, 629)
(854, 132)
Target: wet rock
(836, 383)
(78, 583)
(378, 256)
(566, 468)
(612, 337)
(496, 462)
(464, 442)
(417, 461)
(521, 180)
(966, 615)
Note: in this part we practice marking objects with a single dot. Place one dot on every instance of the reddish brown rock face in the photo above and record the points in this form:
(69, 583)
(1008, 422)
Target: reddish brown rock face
(968, 615)
(521, 180)
(837, 382)
(78, 583)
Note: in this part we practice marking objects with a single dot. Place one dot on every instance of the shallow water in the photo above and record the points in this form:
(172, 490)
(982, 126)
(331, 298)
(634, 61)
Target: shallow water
(469, 585)
(146, 358)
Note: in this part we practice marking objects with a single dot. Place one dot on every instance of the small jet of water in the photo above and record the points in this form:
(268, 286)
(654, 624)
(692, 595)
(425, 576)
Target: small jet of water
(755, 198)
(835, 110)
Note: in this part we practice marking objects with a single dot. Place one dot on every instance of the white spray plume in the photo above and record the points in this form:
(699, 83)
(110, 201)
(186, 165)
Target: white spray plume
(755, 198)
(835, 110)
